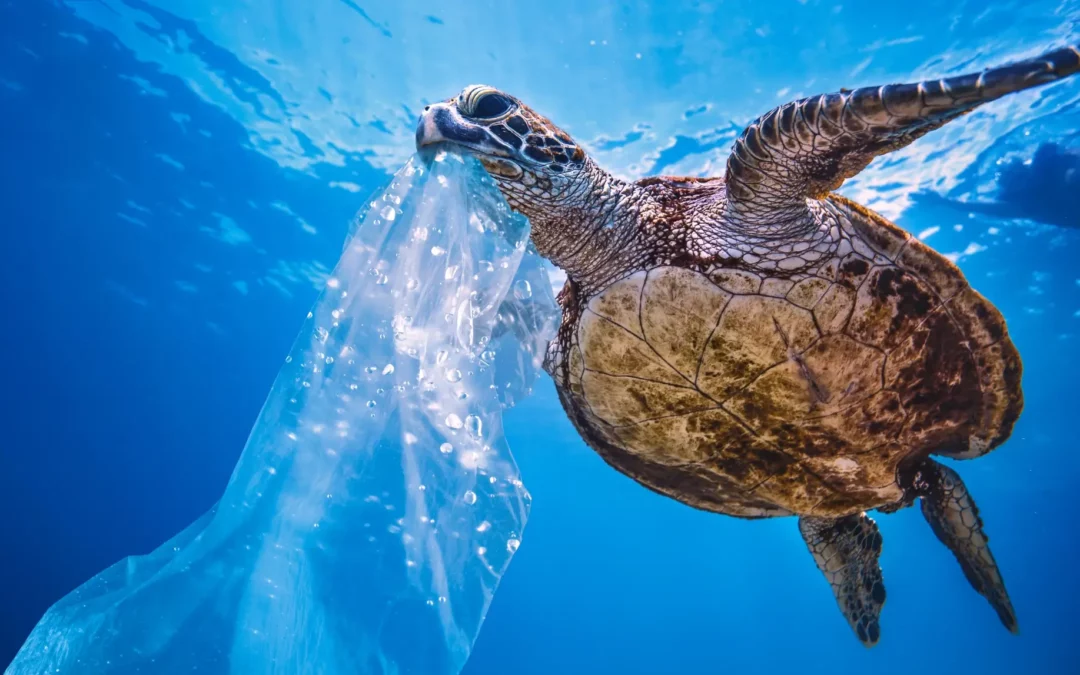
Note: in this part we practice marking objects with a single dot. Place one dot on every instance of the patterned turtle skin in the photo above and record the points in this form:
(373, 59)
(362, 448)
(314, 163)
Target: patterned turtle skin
(756, 345)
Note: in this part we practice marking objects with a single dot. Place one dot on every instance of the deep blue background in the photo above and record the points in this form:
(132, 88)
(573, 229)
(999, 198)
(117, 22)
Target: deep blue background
(132, 366)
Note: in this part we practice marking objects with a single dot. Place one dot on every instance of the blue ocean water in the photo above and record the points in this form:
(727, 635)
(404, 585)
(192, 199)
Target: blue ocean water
(178, 176)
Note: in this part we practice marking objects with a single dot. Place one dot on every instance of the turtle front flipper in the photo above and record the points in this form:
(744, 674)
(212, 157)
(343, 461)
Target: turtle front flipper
(953, 516)
(807, 148)
(846, 550)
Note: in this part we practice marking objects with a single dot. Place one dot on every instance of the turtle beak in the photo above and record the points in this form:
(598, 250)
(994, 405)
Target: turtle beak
(427, 130)
(441, 123)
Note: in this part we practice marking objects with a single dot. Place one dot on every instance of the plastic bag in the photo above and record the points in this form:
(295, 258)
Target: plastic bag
(376, 504)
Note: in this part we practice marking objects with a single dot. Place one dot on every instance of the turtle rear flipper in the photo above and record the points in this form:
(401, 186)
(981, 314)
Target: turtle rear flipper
(953, 516)
(846, 550)
(808, 148)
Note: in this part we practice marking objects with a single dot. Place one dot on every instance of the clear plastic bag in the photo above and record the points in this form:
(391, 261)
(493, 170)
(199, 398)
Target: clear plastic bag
(376, 504)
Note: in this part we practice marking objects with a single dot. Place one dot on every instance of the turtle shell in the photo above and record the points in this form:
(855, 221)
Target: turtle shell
(756, 393)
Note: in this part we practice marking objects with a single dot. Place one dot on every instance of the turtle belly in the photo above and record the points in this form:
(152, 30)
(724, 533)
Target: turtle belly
(751, 398)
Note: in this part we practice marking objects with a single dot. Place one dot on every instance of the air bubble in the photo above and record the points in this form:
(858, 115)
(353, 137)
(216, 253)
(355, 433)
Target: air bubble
(388, 213)
(474, 425)
(446, 448)
(388, 369)
(522, 289)
(453, 421)
(470, 497)
(512, 544)
(453, 375)
(371, 404)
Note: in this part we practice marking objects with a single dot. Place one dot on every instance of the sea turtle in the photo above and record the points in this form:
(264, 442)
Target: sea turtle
(758, 346)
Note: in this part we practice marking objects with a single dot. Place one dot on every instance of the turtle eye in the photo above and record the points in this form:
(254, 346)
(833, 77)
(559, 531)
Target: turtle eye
(489, 106)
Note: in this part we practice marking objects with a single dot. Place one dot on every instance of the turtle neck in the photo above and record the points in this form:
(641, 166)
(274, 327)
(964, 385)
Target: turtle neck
(588, 226)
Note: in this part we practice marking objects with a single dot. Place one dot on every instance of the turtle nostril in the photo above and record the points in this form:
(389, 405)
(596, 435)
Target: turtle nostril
(427, 108)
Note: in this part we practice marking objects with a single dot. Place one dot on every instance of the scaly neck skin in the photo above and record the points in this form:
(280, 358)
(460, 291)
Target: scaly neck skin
(588, 225)
(598, 229)
(787, 238)
(765, 222)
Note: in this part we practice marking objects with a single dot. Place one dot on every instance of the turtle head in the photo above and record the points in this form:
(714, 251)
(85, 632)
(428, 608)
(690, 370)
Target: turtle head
(531, 159)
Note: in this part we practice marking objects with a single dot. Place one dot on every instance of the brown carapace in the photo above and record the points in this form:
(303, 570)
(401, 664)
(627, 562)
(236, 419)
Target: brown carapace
(757, 346)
